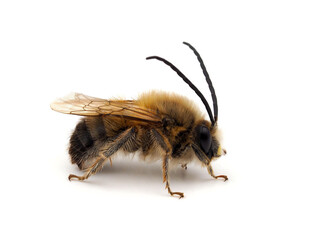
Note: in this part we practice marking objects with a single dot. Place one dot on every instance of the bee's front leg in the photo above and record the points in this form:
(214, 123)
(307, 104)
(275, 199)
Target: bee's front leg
(209, 168)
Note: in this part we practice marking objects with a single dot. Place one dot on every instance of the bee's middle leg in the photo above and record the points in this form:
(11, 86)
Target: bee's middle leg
(165, 178)
(165, 145)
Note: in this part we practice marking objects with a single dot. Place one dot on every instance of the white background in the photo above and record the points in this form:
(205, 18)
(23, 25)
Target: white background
(257, 55)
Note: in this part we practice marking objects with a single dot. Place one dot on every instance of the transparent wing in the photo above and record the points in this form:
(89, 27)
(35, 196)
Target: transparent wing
(83, 105)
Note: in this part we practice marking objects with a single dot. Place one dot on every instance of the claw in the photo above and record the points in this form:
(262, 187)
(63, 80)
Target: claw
(74, 176)
(222, 176)
(180, 194)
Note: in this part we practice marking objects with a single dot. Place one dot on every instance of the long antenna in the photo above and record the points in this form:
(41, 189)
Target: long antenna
(211, 88)
(189, 83)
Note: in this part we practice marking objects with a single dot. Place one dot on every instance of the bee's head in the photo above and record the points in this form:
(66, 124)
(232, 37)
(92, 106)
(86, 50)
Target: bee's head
(208, 140)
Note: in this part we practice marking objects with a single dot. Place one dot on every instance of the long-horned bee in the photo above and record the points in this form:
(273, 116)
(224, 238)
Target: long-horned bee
(161, 126)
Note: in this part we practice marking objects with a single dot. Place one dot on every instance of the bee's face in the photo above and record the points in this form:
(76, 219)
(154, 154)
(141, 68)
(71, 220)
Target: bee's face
(208, 143)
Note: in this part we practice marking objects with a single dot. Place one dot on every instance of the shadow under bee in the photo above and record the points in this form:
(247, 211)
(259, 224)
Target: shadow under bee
(128, 172)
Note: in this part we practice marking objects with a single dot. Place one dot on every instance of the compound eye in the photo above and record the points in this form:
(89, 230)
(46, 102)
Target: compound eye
(205, 139)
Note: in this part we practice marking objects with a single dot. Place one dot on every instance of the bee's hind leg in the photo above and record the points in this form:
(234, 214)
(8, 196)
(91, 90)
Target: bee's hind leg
(105, 155)
(209, 168)
(99, 163)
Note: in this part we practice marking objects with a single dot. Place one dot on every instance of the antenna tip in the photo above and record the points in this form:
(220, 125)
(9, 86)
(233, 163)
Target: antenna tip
(151, 57)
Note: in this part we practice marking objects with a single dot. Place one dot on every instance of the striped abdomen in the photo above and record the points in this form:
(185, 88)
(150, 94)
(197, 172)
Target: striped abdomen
(93, 133)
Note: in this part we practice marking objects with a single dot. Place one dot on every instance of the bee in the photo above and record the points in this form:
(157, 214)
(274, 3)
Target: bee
(161, 126)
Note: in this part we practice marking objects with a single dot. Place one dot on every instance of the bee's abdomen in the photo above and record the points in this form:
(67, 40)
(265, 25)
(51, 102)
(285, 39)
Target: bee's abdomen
(86, 133)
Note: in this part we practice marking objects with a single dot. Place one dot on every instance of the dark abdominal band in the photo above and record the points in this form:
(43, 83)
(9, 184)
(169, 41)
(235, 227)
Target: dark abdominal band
(80, 141)
(84, 137)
